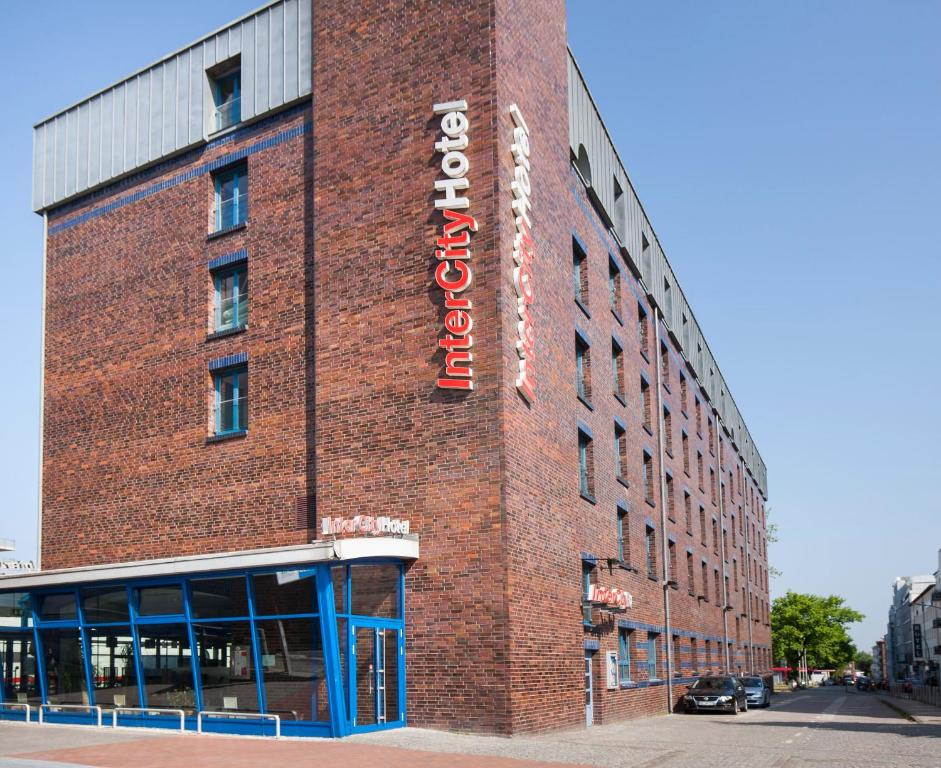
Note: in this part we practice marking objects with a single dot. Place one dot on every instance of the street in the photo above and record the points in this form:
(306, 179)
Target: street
(818, 727)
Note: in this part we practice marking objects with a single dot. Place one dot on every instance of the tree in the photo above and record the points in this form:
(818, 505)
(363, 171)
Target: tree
(863, 662)
(812, 628)
(771, 535)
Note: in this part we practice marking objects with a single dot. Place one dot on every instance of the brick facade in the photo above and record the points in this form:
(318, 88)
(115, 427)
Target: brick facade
(345, 417)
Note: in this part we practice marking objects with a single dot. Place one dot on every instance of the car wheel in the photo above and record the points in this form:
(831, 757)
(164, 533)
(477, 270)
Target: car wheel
(745, 708)
(734, 706)
(767, 700)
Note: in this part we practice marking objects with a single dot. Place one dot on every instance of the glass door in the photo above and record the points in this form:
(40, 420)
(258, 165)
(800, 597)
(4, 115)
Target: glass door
(589, 701)
(376, 674)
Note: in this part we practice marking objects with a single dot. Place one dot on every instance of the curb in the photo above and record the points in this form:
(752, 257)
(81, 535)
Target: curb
(901, 705)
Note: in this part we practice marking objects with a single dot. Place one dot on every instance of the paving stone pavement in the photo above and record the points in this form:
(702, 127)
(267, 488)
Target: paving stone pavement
(817, 728)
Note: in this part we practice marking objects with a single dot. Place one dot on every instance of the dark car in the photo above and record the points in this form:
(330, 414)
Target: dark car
(757, 693)
(722, 693)
(863, 683)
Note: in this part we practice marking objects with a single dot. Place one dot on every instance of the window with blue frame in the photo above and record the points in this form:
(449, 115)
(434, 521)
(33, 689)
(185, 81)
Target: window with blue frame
(652, 639)
(623, 539)
(231, 297)
(231, 197)
(227, 97)
(231, 400)
(624, 654)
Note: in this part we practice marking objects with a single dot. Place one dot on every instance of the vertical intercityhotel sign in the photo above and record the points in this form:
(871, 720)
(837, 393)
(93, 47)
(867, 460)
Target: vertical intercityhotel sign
(524, 253)
(453, 273)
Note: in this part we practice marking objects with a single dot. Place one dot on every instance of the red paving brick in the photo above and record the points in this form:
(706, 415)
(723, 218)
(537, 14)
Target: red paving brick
(223, 752)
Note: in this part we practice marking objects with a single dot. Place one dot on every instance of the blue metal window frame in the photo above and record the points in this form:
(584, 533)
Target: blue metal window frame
(652, 638)
(239, 176)
(624, 655)
(235, 76)
(238, 272)
(340, 723)
(584, 438)
(217, 378)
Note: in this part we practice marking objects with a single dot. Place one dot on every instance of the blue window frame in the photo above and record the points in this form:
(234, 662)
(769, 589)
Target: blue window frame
(624, 654)
(622, 534)
(227, 93)
(584, 460)
(231, 302)
(652, 638)
(231, 197)
(231, 400)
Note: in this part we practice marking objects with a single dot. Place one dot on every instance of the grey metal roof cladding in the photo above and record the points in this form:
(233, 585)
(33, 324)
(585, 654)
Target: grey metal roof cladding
(632, 228)
(167, 107)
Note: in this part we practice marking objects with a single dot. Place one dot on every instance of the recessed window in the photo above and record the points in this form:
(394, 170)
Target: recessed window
(702, 524)
(705, 582)
(690, 574)
(688, 511)
(231, 400)
(671, 551)
(671, 497)
(231, 297)
(623, 531)
(668, 430)
(227, 98)
(685, 440)
(231, 197)
(683, 393)
(582, 369)
(645, 400)
(624, 654)
(579, 273)
(665, 365)
(585, 470)
(614, 287)
(643, 329)
(617, 368)
(620, 451)
(648, 478)
(652, 638)
(650, 550)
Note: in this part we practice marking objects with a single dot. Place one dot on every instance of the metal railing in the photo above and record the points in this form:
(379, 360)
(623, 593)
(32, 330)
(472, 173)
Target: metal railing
(228, 114)
(232, 211)
(85, 707)
(239, 715)
(17, 704)
(148, 710)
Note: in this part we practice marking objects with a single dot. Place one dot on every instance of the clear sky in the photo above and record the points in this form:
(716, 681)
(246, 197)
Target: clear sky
(789, 156)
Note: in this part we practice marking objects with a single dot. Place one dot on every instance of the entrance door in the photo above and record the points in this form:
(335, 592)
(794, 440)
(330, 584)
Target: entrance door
(375, 685)
(589, 700)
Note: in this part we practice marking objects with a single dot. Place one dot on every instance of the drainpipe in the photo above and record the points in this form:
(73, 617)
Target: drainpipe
(664, 555)
(751, 644)
(42, 386)
(748, 572)
(722, 558)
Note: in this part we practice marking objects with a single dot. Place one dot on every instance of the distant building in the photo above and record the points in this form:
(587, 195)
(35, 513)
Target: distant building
(905, 639)
(880, 671)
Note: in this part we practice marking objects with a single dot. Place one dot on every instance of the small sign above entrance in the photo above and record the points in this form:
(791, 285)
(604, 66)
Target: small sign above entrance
(365, 524)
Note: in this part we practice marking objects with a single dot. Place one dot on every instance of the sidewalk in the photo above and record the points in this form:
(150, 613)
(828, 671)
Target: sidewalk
(922, 713)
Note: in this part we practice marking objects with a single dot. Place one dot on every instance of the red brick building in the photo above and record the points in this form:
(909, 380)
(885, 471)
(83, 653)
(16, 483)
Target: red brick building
(459, 318)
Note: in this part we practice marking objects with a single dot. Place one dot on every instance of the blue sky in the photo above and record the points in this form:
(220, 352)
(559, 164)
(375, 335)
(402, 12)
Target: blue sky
(789, 156)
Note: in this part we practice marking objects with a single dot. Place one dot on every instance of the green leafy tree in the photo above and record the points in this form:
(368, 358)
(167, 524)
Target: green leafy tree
(815, 626)
(863, 662)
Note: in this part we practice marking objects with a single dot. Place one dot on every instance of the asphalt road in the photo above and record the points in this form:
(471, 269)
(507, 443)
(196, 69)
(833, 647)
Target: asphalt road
(819, 728)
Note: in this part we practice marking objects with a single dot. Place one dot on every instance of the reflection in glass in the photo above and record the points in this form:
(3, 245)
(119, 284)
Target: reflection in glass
(226, 667)
(113, 673)
(102, 605)
(65, 668)
(15, 610)
(214, 598)
(57, 607)
(293, 669)
(390, 638)
(368, 667)
(272, 599)
(18, 663)
(166, 600)
(375, 590)
(167, 666)
(338, 576)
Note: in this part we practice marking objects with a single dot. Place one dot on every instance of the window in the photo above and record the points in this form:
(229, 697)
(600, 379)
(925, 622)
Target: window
(708, 644)
(231, 201)
(620, 451)
(614, 288)
(688, 511)
(693, 656)
(671, 550)
(671, 497)
(698, 417)
(735, 573)
(734, 538)
(585, 458)
(712, 484)
(617, 369)
(226, 96)
(685, 440)
(683, 393)
(690, 574)
(668, 431)
(623, 531)
(718, 584)
(583, 368)
(650, 550)
(715, 536)
(643, 329)
(725, 543)
(665, 365)
(668, 300)
(231, 400)
(645, 399)
(624, 654)
(645, 260)
(712, 437)
(728, 594)
(648, 478)
(652, 638)
(705, 581)
(231, 302)
(677, 650)
(702, 524)
(579, 273)
(700, 470)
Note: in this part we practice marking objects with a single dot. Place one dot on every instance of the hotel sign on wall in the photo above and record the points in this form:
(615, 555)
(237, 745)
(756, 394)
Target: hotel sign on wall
(453, 273)
(610, 597)
(524, 253)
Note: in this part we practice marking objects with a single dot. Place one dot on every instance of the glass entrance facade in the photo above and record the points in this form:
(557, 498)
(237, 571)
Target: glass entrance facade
(322, 647)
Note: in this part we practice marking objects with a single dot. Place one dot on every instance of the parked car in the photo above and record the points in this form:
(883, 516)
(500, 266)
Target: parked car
(757, 693)
(863, 683)
(722, 693)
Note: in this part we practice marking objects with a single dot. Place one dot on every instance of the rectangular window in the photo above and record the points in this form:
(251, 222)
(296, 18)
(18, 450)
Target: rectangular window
(693, 656)
(685, 440)
(645, 399)
(718, 586)
(579, 273)
(683, 393)
(624, 654)
(614, 287)
(725, 543)
(231, 200)
(690, 574)
(712, 437)
(231, 400)
(617, 369)
(620, 451)
(673, 575)
(671, 497)
(652, 638)
(585, 473)
(665, 365)
(643, 330)
(700, 470)
(712, 484)
(668, 431)
(698, 418)
(583, 368)
(734, 535)
(708, 644)
(715, 536)
(702, 524)
(648, 478)
(291, 653)
(226, 95)
(705, 581)
(650, 551)
(677, 650)
(231, 298)
(623, 531)
(688, 511)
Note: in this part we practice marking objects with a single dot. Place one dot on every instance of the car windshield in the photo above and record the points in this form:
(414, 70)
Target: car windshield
(712, 683)
(752, 682)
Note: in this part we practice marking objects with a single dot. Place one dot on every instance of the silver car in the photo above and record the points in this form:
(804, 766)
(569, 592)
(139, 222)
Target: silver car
(756, 692)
